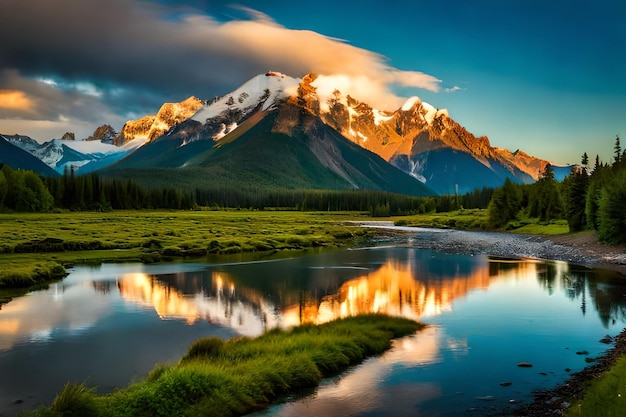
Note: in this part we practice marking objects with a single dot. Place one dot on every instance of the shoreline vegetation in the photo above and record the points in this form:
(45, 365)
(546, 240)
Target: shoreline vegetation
(241, 375)
(35, 248)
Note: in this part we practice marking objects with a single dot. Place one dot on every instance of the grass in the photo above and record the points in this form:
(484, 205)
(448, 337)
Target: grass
(34, 247)
(242, 375)
(606, 396)
(472, 219)
(478, 219)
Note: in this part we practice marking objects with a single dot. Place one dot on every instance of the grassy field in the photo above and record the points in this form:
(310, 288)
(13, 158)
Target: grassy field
(477, 219)
(34, 247)
(236, 377)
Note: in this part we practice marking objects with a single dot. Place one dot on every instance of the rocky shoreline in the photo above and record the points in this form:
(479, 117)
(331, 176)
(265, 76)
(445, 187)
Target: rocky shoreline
(580, 249)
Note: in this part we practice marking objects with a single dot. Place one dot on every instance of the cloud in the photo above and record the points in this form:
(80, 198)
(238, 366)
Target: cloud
(131, 56)
(15, 100)
(453, 89)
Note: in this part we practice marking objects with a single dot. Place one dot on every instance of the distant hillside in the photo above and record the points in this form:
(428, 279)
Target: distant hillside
(18, 158)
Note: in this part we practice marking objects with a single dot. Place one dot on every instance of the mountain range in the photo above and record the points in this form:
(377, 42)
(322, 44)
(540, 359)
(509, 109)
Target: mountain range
(284, 132)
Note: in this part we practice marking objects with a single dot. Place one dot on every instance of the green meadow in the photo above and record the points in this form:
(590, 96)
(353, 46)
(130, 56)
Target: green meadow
(35, 247)
(241, 375)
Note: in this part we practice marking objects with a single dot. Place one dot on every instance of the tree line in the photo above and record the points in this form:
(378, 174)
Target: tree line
(26, 191)
(595, 200)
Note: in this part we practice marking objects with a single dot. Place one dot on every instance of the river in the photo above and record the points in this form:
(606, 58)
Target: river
(108, 325)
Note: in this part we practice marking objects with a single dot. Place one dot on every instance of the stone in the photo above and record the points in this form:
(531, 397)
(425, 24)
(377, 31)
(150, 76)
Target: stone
(525, 365)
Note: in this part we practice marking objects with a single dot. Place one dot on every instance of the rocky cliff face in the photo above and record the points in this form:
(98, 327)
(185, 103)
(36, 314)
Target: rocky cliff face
(104, 134)
(68, 136)
(153, 126)
(415, 129)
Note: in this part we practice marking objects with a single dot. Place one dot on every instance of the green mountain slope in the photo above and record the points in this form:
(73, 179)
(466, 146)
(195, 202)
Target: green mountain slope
(288, 148)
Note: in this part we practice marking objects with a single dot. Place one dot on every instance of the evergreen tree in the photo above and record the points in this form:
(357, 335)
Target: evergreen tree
(4, 188)
(576, 191)
(545, 200)
(611, 210)
(505, 204)
(618, 150)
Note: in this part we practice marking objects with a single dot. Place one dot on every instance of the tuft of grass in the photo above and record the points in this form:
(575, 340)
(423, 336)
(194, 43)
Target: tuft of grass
(15, 274)
(207, 347)
(74, 400)
(242, 375)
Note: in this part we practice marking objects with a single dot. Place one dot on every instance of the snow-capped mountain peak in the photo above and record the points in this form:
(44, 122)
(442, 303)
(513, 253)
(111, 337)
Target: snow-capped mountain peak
(265, 89)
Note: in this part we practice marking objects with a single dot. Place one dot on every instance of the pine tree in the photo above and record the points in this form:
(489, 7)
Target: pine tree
(505, 204)
(618, 150)
(576, 190)
(4, 187)
(611, 213)
(545, 201)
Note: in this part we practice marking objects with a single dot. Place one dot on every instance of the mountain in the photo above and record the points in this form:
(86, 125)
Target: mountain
(280, 131)
(152, 126)
(83, 155)
(18, 158)
(256, 137)
(423, 141)
(104, 134)
(25, 142)
(418, 139)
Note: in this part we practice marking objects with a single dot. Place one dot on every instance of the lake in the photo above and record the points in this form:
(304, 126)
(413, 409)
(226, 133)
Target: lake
(108, 325)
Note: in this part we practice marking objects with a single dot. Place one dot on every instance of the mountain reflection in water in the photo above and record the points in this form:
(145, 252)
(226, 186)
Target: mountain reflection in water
(479, 310)
(390, 289)
(395, 288)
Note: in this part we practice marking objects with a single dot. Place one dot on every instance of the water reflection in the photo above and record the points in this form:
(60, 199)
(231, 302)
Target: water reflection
(482, 311)
(249, 299)
(391, 288)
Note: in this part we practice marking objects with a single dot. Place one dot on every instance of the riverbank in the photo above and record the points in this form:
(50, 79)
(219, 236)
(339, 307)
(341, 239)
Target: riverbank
(577, 248)
(567, 397)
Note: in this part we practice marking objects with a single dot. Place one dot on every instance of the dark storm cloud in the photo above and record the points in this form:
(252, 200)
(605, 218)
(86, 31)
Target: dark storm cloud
(155, 52)
(43, 100)
(112, 41)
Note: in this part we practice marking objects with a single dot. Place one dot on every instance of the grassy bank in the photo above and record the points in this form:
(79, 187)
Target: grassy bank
(606, 396)
(478, 219)
(35, 247)
(217, 378)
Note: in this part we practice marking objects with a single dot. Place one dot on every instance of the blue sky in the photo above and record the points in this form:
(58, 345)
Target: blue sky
(547, 77)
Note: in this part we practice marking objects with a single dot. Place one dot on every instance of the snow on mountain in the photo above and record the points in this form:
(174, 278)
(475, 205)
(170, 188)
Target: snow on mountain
(59, 154)
(25, 142)
(264, 88)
